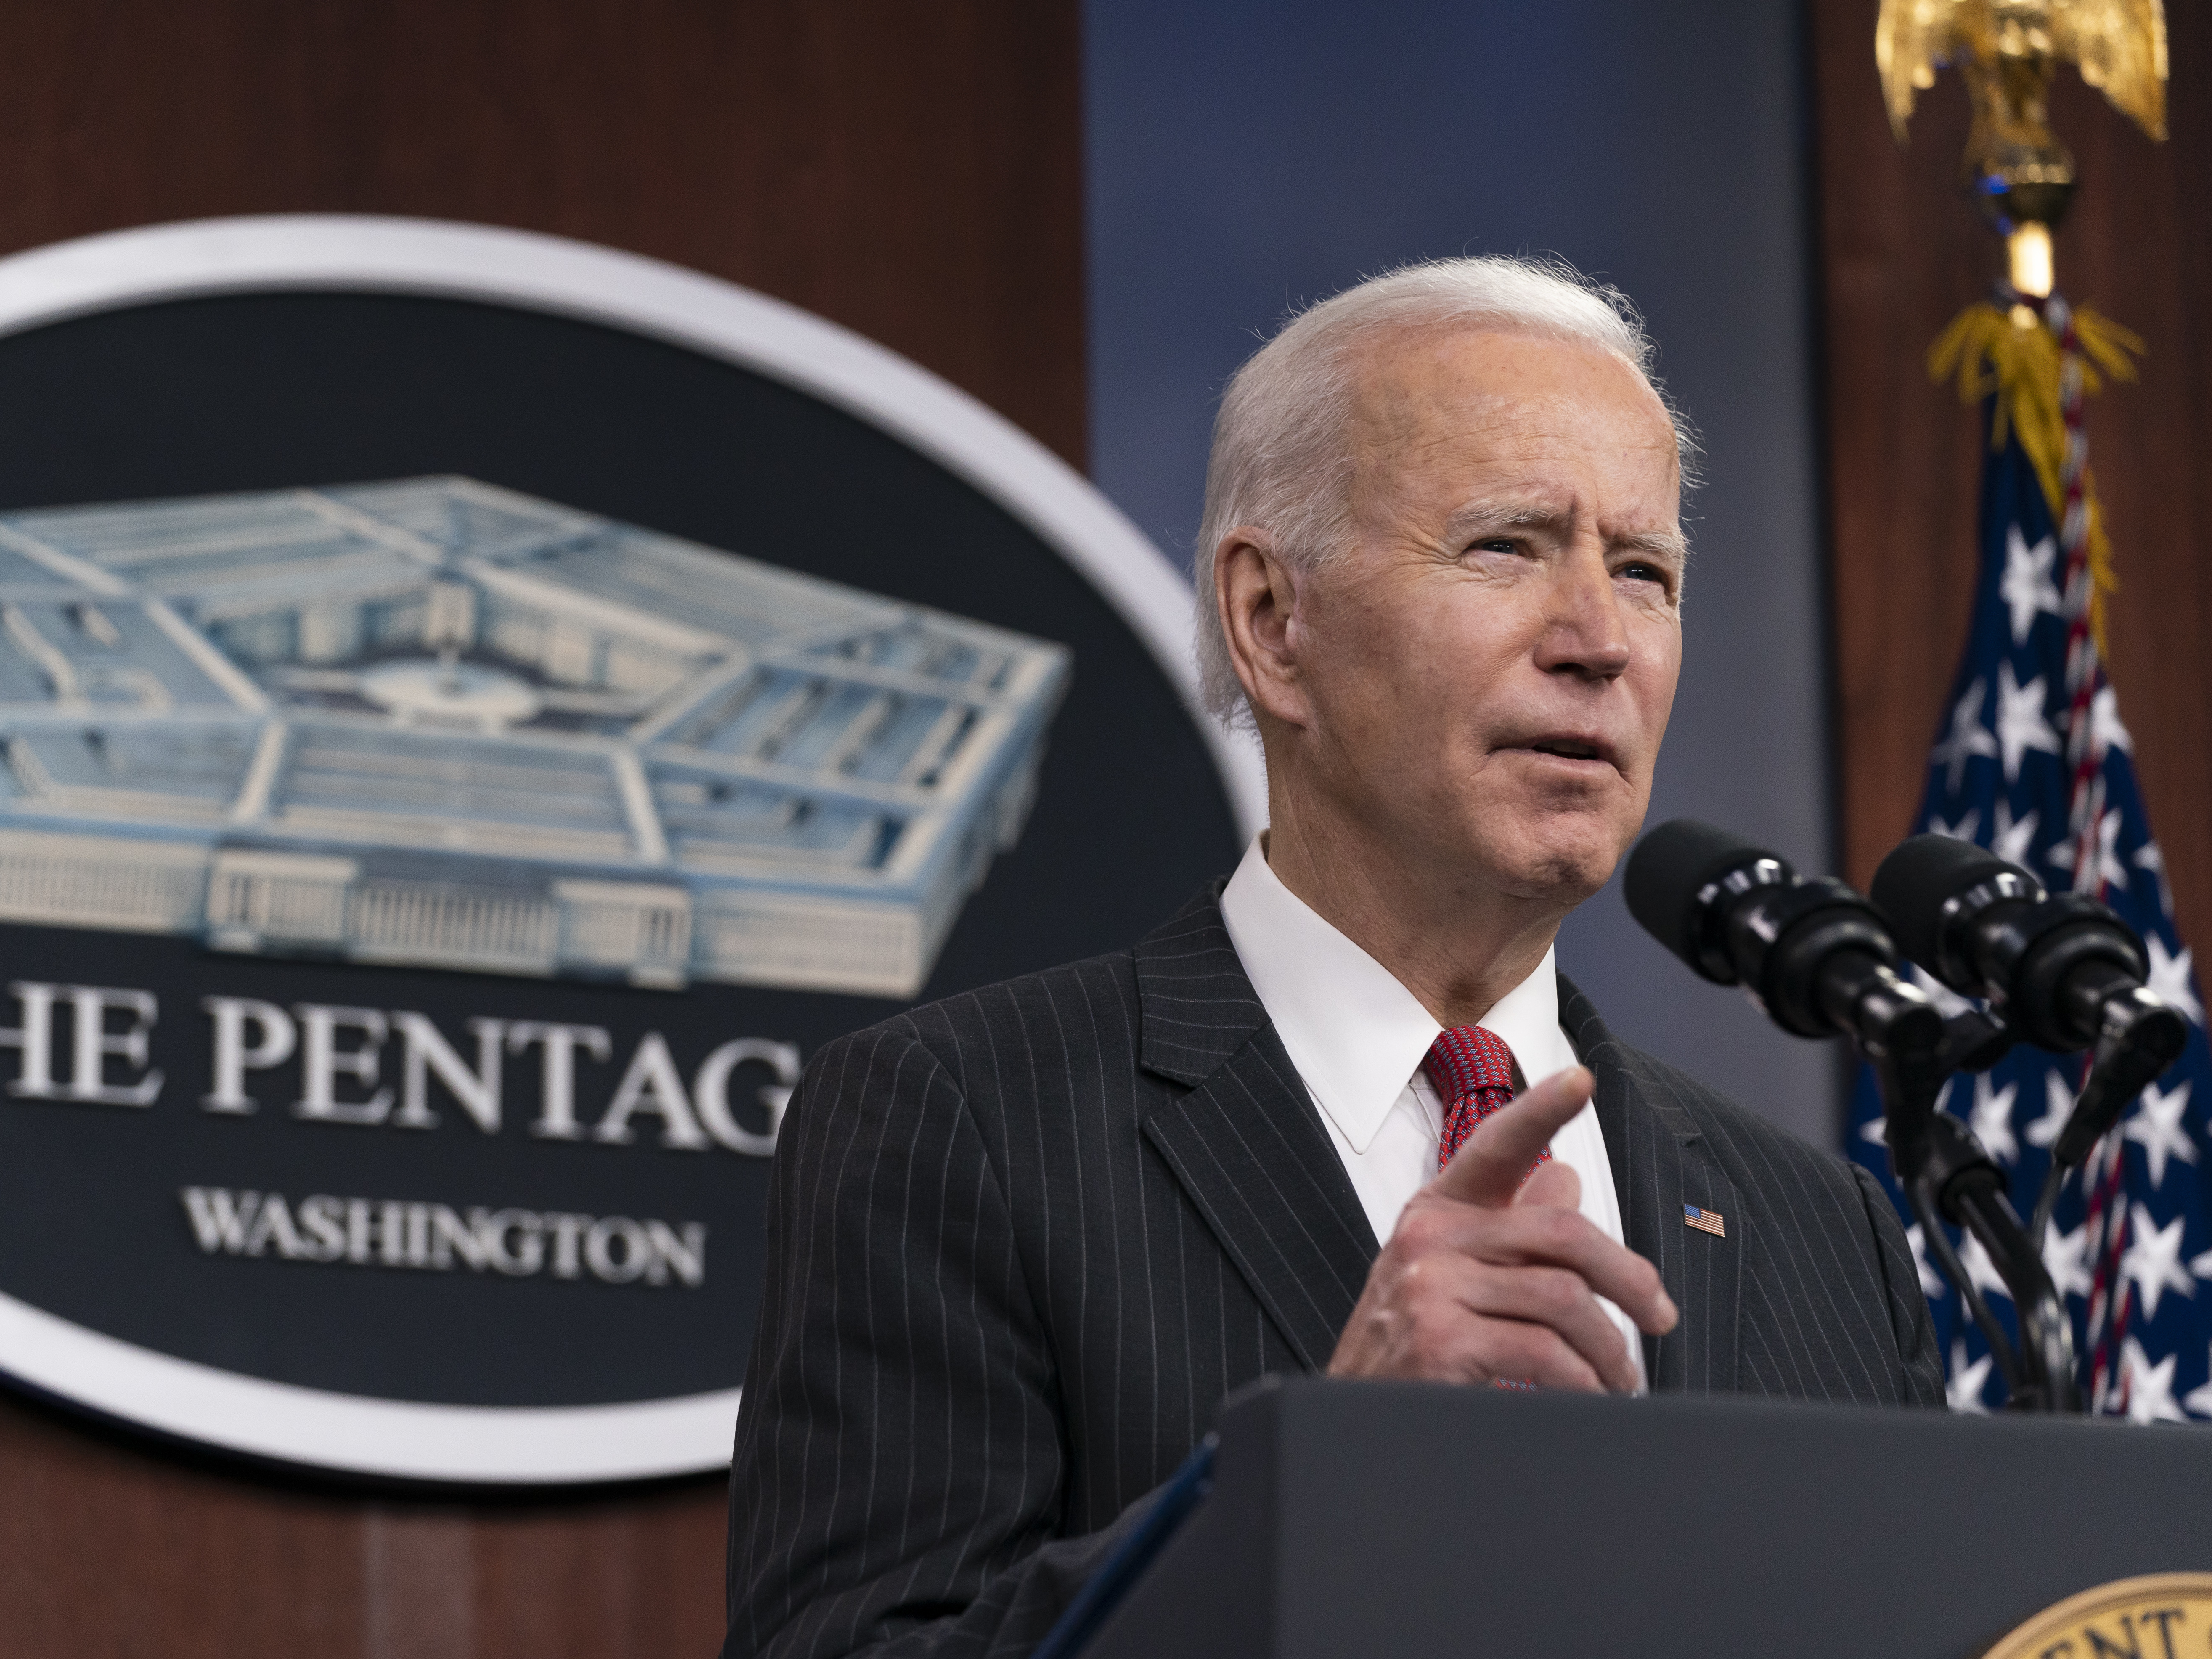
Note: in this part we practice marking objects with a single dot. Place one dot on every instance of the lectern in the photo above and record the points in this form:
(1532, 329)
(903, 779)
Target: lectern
(1381, 1520)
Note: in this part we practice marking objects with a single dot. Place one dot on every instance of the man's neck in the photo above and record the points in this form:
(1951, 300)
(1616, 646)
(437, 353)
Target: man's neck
(1457, 945)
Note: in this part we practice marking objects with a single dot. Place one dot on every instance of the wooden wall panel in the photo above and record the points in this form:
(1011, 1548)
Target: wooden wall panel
(912, 172)
(108, 1549)
(1903, 252)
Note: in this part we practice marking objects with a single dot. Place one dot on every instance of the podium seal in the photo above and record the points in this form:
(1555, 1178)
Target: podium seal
(2159, 1616)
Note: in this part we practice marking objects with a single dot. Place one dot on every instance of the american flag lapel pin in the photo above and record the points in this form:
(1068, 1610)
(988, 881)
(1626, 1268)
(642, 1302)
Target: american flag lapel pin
(1706, 1221)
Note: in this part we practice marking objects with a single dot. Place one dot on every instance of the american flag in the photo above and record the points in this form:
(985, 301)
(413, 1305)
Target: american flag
(1706, 1221)
(2033, 762)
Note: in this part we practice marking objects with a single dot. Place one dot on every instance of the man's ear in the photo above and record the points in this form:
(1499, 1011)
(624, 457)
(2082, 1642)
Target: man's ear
(1256, 594)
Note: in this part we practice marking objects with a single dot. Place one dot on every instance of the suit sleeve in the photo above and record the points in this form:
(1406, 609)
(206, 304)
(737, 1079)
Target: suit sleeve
(898, 1474)
(1909, 1318)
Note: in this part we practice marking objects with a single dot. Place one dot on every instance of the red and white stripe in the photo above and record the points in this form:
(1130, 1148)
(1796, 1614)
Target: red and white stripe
(2104, 1175)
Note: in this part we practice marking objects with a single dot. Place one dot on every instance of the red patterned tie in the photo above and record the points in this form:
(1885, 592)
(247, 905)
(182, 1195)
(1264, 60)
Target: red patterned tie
(1472, 1070)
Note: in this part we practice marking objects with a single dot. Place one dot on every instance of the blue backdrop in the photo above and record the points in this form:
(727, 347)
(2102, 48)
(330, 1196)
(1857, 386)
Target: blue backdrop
(1244, 158)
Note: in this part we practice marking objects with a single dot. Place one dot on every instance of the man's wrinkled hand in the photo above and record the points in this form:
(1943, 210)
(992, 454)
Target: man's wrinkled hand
(1489, 1277)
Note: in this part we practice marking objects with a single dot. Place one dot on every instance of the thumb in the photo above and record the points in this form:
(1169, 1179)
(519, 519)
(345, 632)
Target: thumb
(1489, 1168)
(1553, 1183)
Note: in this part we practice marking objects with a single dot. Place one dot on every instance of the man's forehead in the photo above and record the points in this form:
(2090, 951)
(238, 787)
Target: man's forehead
(1508, 408)
(1494, 377)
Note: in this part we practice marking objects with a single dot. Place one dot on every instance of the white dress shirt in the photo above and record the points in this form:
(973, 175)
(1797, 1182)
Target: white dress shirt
(1358, 1038)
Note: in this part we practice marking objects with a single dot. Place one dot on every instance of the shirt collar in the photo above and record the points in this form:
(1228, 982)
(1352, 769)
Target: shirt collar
(1528, 1019)
(1355, 1034)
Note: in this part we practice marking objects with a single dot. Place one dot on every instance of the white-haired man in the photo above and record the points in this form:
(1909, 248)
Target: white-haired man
(1022, 1242)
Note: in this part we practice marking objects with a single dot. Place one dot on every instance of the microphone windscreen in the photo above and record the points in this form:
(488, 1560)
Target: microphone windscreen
(1918, 877)
(1669, 868)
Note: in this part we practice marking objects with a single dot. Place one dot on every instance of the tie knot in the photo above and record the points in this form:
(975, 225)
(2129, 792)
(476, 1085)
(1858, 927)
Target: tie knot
(1467, 1060)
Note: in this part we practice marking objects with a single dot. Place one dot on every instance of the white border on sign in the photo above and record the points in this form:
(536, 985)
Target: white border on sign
(368, 254)
(484, 1445)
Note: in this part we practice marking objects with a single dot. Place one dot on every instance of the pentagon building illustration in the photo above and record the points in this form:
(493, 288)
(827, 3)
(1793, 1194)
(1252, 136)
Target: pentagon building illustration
(434, 722)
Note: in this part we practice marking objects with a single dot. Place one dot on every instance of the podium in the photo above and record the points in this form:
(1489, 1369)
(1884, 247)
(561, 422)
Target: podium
(1385, 1519)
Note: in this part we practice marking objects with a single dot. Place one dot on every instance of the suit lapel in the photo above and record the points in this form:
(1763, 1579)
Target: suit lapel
(1249, 1148)
(1246, 1142)
(1661, 1161)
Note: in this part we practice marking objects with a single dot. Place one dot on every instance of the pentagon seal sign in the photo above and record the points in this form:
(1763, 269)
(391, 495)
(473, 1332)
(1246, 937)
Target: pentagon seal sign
(478, 713)
(2162, 1615)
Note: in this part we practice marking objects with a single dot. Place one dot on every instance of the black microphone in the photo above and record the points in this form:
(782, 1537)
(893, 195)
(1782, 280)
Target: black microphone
(1814, 955)
(1819, 958)
(2064, 970)
(1987, 928)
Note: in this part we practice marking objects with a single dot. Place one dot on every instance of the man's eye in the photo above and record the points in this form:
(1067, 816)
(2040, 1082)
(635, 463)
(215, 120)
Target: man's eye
(1645, 573)
(1496, 544)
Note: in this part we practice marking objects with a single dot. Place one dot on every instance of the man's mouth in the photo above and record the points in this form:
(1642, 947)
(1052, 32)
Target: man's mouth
(1571, 748)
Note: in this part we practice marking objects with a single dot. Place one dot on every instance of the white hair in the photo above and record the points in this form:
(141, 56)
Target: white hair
(1280, 461)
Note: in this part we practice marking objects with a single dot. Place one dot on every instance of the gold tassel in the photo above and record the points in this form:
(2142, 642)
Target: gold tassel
(1989, 354)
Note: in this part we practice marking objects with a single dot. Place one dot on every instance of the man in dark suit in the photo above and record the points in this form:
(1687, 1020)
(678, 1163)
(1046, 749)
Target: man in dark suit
(1023, 1242)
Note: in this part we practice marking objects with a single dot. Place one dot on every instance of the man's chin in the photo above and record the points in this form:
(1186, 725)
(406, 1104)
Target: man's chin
(1564, 859)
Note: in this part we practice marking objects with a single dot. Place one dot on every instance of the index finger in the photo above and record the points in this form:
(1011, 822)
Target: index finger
(1488, 1169)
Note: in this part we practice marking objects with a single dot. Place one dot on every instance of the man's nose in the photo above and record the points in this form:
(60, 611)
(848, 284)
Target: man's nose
(1584, 631)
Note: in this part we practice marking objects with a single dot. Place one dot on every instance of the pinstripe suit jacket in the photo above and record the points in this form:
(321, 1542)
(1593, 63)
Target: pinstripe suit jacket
(1022, 1241)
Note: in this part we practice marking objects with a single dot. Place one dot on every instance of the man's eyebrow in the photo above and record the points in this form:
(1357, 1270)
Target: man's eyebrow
(1522, 514)
(1660, 544)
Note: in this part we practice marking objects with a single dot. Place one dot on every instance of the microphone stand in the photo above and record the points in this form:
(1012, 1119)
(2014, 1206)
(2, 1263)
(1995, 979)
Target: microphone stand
(2139, 1037)
(1946, 1173)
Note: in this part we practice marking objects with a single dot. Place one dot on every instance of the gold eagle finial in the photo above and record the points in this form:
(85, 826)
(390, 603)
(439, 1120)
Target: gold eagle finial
(2008, 51)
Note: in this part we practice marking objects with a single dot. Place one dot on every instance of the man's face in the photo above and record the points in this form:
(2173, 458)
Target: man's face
(1487, 673)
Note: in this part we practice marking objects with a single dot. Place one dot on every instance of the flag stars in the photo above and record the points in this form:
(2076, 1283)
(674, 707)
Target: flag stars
(1931, 1282)
(2147, 857)
(1991, 1119)
(2066, 1258)
(2015, 840)
(2027, 588)
(2149, 1387)
(1968, 735)
(1963, 1393)
(1981, 1272)
(2170, 976)
(2156, 1126)
(2058, 1107)
(2153, 1261)
(2200, 1399)
(2111, 872)
(2105, 731)
(2022, 722)
(2105, 869)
